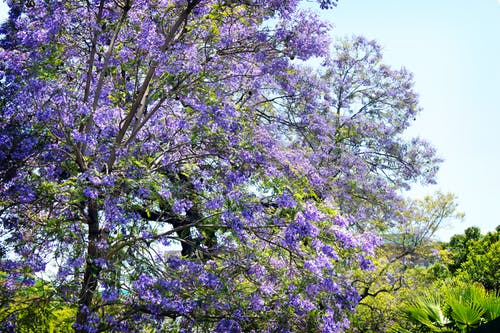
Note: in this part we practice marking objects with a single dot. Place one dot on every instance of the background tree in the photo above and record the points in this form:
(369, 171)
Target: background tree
(474, 257)
(135, 126)
(404, 263)
(459, 247)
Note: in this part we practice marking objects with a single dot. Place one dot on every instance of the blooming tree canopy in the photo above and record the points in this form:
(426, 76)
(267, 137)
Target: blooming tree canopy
(131, 128)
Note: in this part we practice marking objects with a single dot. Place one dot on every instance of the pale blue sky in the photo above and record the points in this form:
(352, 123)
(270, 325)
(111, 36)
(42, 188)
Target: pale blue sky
(453, 48)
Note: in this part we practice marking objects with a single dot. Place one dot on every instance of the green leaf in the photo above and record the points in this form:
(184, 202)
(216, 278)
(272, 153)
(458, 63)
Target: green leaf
(466, 314)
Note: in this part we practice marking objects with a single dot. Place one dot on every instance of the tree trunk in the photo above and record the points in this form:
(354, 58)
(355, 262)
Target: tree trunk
(92, 271)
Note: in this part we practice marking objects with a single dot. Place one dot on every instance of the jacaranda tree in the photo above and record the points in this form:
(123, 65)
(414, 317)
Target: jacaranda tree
(131, 128)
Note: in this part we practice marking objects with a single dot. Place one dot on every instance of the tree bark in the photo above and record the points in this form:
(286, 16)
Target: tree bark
(92, 270)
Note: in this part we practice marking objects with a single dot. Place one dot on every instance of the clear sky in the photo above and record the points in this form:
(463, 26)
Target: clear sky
(453, 48)
(3, 10)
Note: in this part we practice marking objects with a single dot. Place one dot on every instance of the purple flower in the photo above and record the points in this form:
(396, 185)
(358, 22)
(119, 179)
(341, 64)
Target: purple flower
(346, 239)
(301, 304)
(181, 206)
(227, 326)
(257, 303)
(366, 264)
(341, 221)
(95, 180)
(214, 203)
(210, 280)
(165, 193)
(267, 288)
(77, 262)
(110, 294)
(330, 286)
(109, 181)
(143, 192)
(286, 201)
(330, 252)
(90, 193)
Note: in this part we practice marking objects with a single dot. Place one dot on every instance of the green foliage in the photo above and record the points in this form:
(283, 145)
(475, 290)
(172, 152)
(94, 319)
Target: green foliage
(466, 315)
(454, 306)
(474, 257)
(34, 309)
(427, 311)
(459, 247)
(379, 312)
(483, 264)
(464, 292)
